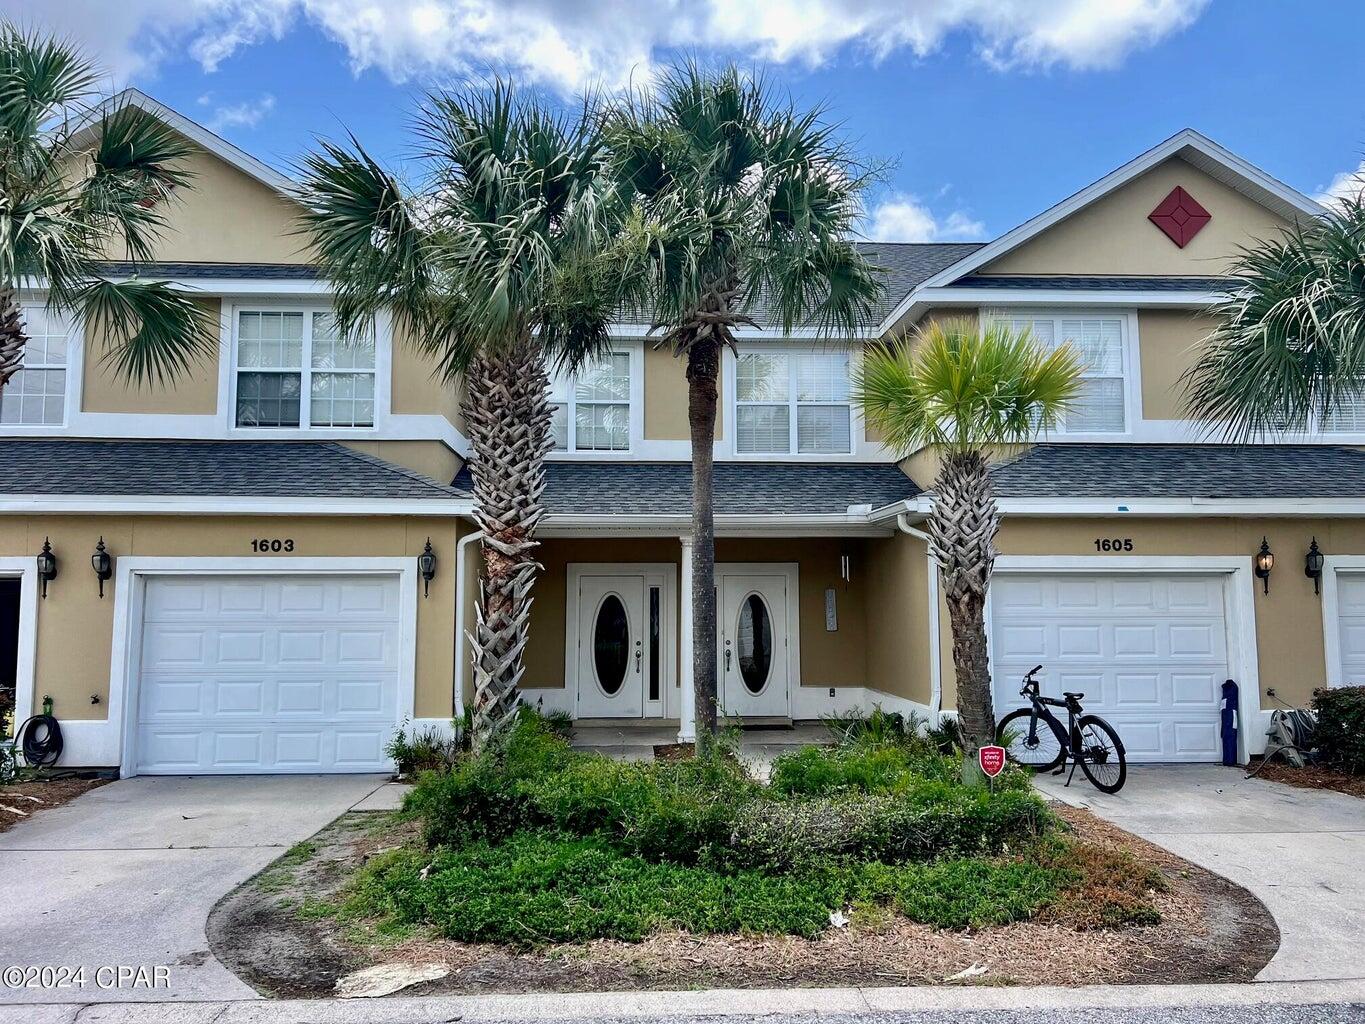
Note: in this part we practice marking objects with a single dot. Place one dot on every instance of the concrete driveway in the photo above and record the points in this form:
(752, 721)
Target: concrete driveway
(126, 875)
(1301, 851)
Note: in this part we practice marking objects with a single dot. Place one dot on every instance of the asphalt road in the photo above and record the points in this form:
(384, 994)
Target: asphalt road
(1335, 1013)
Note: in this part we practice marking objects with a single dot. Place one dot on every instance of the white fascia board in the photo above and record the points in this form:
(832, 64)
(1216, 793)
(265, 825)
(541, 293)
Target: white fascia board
(1241, 508)
(643, 331)
(232, 286)
(1188, 139)
(797, 525)
(197, 133)
(973, 297)
(103, 504)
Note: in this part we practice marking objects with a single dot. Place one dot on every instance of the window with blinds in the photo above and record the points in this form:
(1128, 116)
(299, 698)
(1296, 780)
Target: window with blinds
(591, 411)
(1101, 406)
(789, 402)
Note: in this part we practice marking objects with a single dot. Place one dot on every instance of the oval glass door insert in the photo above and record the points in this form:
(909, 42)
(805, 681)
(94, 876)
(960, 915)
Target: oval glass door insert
(611, 644)
(754, 643)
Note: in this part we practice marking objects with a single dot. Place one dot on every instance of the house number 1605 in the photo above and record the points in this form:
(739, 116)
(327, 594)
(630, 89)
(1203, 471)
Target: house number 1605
(273, 545)
(1113, 543)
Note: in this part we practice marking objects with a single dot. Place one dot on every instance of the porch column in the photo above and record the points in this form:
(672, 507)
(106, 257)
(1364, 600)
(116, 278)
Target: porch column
(687, 709)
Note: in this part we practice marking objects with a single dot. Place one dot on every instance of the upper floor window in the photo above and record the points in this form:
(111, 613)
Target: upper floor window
(789, 402)
(591, 411)
(1101, 406)
(36, 394)
(293, 370)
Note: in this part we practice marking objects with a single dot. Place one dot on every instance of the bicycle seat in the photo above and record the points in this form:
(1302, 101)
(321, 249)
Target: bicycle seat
(1075, 696)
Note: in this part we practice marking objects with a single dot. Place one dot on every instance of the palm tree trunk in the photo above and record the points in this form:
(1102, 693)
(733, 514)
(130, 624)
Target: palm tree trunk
(703, 372)
(962, 530)
(507, 417)
(12, 337)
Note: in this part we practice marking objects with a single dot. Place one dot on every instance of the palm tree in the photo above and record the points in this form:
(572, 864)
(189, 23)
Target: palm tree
(486, 266)
(735, 198)
(1289, 347)
(965, 391)
(75, 185)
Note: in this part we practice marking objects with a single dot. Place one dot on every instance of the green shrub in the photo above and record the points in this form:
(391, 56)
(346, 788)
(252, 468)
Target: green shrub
(1341, 726)
(932, 821)
(821, 771)
(539, 888)
(427, 749)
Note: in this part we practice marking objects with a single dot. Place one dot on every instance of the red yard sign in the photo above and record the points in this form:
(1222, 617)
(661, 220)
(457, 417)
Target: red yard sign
(992, 760)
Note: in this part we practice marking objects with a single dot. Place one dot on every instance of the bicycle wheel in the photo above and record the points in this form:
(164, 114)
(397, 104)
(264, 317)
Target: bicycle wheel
(1043, 754)
(1101, 754)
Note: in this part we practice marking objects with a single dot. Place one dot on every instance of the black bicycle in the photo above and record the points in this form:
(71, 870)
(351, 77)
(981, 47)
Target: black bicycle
(1089, 740)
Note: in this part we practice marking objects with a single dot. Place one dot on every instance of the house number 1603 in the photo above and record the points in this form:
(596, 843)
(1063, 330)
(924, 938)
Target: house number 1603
(273, 545)
(1113, 543)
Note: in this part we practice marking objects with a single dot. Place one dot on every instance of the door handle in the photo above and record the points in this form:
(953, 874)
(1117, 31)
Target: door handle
(727, 659)
(637, 661)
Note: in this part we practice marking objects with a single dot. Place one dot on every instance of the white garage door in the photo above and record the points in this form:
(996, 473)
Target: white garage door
(1351, 627)
(248, 674)
(1148, 652)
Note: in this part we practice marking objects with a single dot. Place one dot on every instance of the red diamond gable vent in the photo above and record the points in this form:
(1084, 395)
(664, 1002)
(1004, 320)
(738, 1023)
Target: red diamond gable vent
(1180, 217)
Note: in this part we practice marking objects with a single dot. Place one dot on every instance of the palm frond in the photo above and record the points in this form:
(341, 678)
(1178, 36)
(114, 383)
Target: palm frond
(957, 387)
(150, 332)
(1289, 346)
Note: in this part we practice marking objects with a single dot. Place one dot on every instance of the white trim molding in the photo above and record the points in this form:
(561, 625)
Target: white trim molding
(120, 728)
(26, 700)
(1239, 605)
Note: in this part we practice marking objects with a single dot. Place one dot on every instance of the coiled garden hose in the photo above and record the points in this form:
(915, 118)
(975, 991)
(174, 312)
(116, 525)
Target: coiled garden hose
(40, 741)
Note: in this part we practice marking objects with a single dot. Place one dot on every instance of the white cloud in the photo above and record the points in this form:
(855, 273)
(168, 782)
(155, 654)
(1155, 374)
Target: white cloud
(567, 44)
(903, 218)
(1346, 185)
(247, 114)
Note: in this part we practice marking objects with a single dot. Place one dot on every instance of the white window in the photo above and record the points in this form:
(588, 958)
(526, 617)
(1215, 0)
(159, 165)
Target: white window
(793, 402)
(590, 412)
(36, 394)
(293, 369)
(1348, 417)
(1101, 406)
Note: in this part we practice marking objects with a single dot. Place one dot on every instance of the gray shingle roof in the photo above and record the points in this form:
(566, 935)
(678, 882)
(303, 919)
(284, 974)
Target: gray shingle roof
(207, 271)
(1089, 282)
(1183, 471)
(292, 469)
(742, 488)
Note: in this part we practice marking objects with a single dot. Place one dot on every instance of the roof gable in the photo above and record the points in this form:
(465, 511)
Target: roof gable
(1189, 146)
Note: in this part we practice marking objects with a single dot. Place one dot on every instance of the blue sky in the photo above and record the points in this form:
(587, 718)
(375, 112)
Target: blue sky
(991, 111)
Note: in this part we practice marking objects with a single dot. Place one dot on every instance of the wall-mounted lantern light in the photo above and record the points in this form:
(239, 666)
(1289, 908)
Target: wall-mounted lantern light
(103, 564)
(1312, 565)
(47, 565)
(1265, 561)
(426, 565)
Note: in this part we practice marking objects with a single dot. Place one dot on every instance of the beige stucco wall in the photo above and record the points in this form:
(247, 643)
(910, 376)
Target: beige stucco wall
(1114, 236)
(193, 392)
(898, 647)
(75, 626)
(666, 397)
(1168, 348)
(417, 388)
(1289, 621)
(226, 216)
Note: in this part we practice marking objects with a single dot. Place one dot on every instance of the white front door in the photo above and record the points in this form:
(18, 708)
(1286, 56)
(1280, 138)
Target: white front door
(251, 674)
(753, 644)
(1148, 651)
(613, 631)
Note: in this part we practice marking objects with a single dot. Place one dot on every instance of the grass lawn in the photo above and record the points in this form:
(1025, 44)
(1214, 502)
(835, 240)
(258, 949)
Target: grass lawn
(570, 868)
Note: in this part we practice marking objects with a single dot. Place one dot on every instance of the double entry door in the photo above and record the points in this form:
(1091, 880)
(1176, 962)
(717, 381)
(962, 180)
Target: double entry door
(622, 645)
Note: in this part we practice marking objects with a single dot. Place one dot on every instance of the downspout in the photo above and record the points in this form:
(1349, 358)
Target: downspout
(935, 653)
(457, 702)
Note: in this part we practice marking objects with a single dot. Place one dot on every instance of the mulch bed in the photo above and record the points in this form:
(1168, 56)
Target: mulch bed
(1311, 777)
(25, 799)
(1211, 931)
